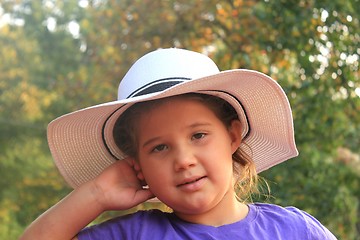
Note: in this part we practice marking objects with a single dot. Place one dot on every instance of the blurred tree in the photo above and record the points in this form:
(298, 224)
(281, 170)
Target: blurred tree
(33, 58)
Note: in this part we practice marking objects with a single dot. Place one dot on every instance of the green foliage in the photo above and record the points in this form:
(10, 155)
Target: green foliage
(310, 47)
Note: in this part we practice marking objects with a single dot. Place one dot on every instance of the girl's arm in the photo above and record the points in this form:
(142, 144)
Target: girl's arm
(65, 219)
(117, 188)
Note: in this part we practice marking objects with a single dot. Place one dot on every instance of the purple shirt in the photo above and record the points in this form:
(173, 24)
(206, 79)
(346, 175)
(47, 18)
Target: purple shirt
(264, 221)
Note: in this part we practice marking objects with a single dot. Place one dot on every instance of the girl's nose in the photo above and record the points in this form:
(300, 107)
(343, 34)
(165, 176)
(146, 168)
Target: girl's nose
(184, 159)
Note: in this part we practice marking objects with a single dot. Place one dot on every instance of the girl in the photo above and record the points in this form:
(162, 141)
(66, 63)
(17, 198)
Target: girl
(187, 134)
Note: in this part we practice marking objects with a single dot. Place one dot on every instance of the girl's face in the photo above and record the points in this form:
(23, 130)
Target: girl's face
(185, 155)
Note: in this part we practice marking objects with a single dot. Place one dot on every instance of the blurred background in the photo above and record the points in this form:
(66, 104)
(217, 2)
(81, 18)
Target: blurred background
(60, 56)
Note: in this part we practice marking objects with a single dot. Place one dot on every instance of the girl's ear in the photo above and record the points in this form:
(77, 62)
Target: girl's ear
(235, 134)
(139, 173)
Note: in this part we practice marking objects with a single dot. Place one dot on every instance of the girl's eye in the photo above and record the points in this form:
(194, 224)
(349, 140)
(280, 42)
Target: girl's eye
(198, 136)
(159, 148)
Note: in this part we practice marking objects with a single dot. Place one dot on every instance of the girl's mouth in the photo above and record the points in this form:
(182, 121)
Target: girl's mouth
(192, 184)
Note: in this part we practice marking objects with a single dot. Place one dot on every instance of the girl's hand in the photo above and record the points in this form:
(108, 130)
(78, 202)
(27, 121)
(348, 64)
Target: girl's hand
(118, 187)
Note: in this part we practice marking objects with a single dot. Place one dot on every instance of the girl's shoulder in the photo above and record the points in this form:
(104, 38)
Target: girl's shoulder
(288, 221)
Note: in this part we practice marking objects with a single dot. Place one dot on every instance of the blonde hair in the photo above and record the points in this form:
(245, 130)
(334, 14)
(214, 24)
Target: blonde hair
(125, 136)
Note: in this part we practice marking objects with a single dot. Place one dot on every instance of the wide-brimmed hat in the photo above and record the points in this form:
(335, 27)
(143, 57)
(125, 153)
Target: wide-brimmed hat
(82, 142)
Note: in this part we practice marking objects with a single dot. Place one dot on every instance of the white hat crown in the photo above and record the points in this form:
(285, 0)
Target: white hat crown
(162, 69)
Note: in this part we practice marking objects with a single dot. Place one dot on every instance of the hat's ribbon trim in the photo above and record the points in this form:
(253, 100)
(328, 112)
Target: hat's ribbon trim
(158, 86)
(241, 105)
(103, 133)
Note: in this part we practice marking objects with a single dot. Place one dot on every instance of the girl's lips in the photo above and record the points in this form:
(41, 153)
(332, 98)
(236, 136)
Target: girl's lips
(192, 184)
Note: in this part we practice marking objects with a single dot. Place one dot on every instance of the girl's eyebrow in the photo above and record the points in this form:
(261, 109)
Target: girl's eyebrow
(199, 124)
(148, 142)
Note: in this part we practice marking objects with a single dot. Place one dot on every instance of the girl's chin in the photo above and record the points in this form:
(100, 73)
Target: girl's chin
(195, 208)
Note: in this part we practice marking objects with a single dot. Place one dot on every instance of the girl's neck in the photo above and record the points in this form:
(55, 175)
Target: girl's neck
(226, 212)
